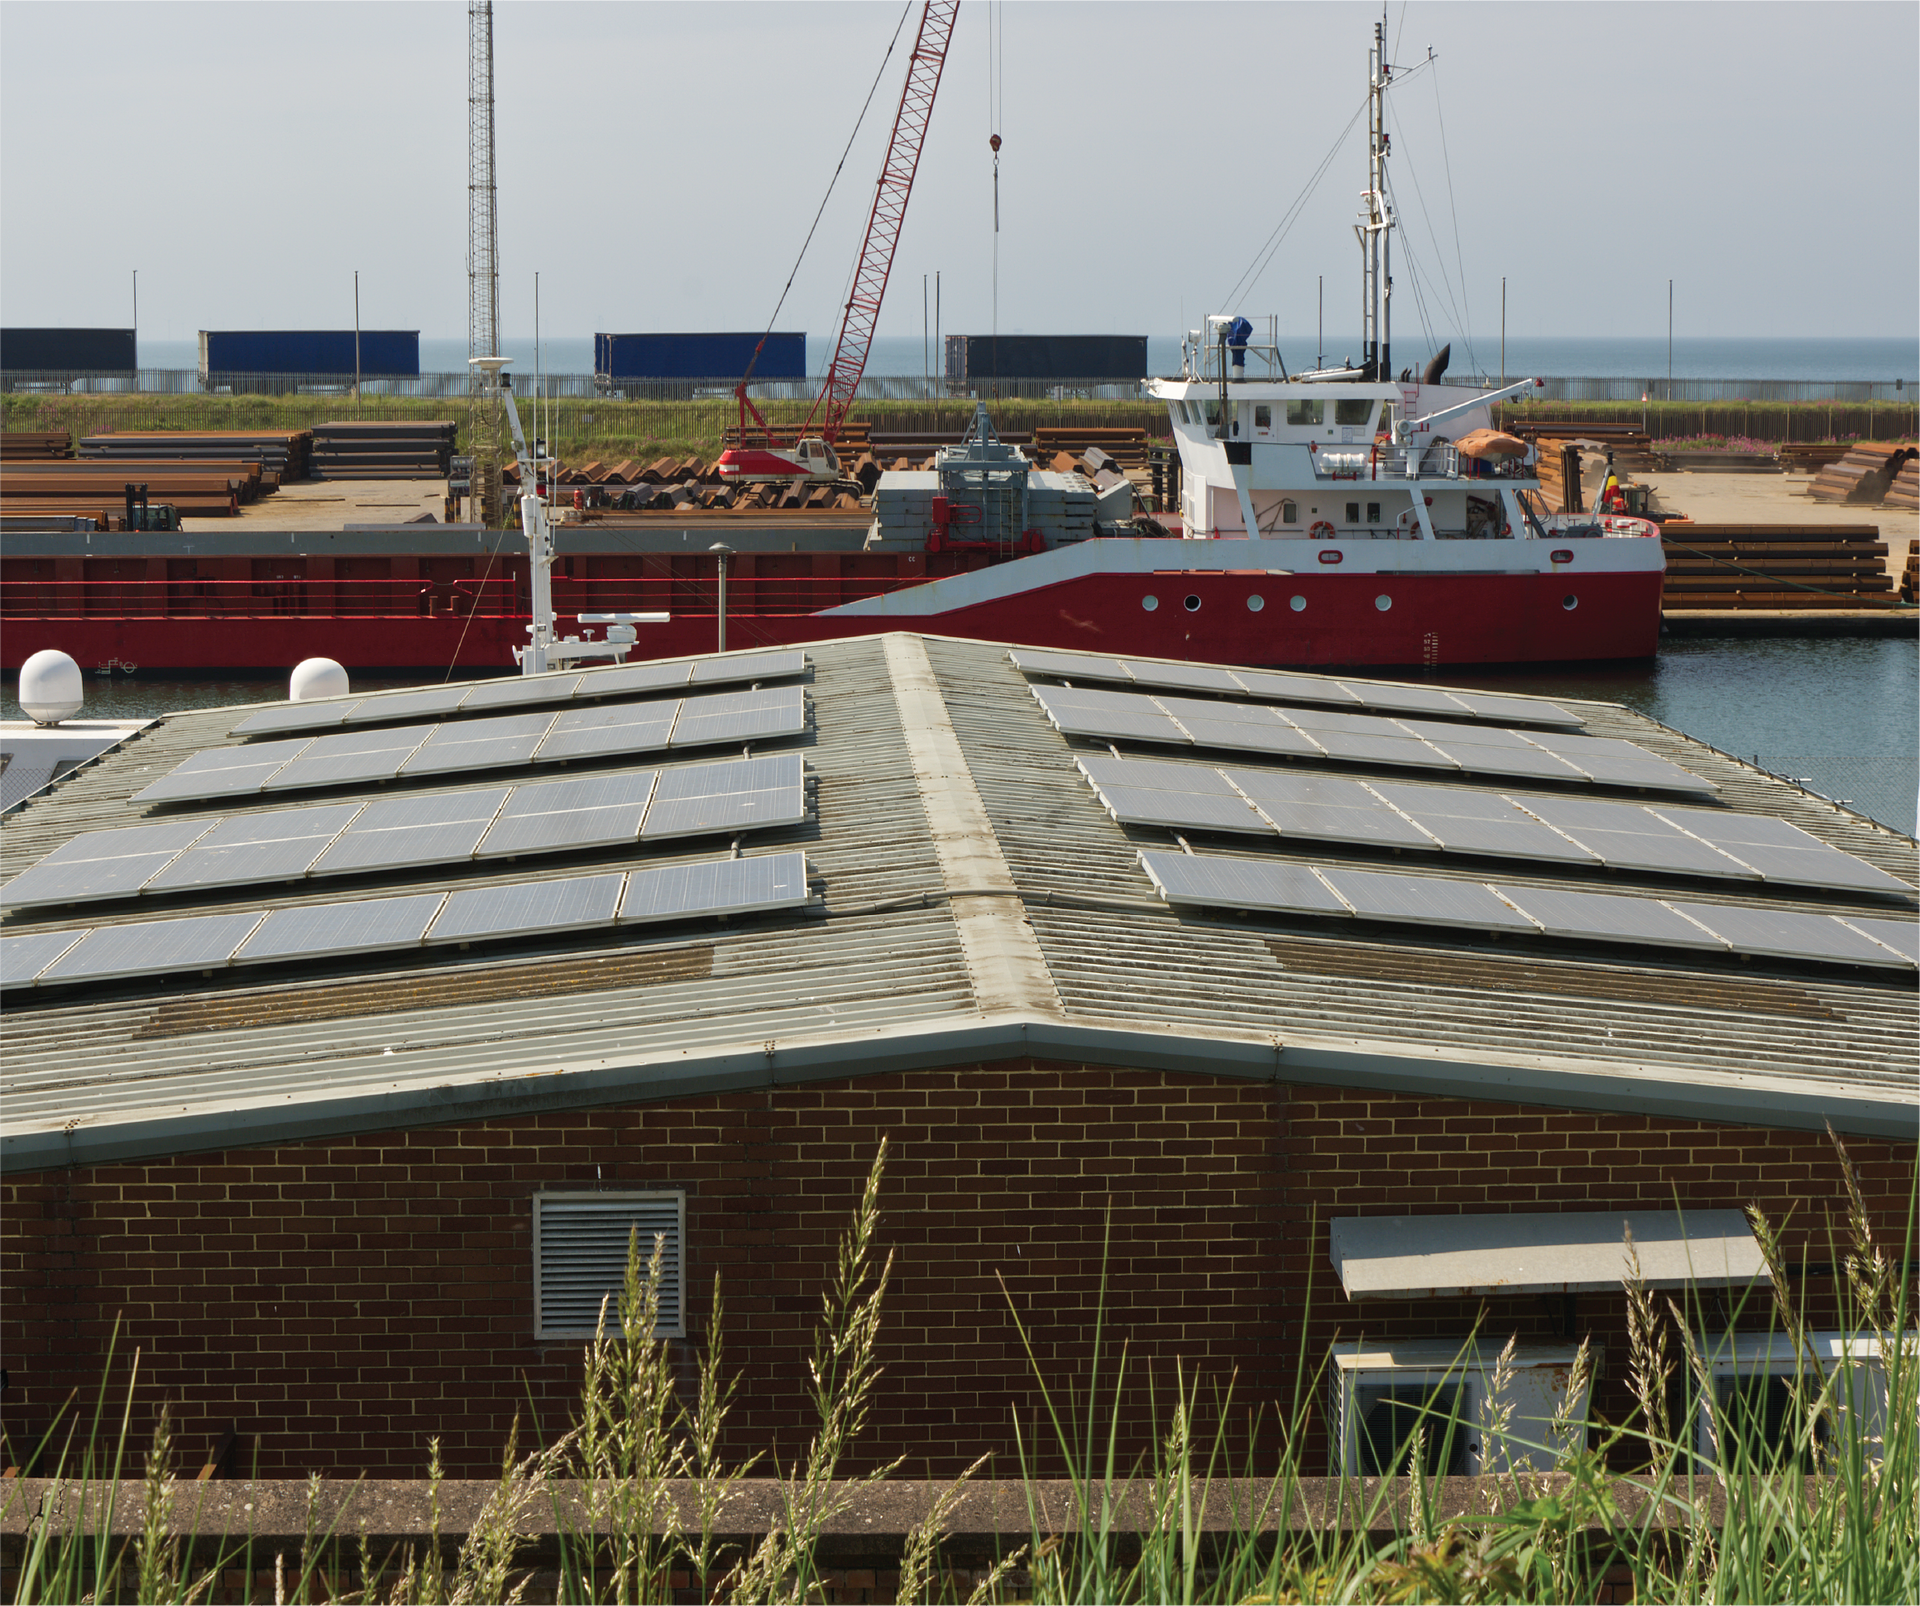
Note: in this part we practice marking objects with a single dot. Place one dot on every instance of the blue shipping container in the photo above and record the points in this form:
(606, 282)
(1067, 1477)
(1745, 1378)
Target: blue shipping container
(384, 353)
(1112, 358)
(699, 356)
(67, 350)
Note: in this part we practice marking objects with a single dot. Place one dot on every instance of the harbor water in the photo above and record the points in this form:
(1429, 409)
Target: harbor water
(1838, 715)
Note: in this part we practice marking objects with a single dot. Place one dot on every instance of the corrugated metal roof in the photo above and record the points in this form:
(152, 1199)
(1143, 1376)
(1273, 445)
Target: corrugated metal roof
(974, 899)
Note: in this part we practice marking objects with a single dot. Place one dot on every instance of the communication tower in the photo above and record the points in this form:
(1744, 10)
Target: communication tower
(483, 264)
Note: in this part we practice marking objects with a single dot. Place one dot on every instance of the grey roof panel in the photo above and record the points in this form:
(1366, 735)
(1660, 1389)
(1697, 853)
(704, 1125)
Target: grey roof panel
(1182, 810)
(1607, 917)
(1789, 934)
(1227, 883)
(24, 956)
(723, 886)
(631, 678)
(153, 947)
(528, 908)
(1423, 900)
(748, 666)
(361, 925)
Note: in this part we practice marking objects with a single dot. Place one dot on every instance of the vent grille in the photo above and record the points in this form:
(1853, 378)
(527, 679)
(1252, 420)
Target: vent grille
(580, 1257)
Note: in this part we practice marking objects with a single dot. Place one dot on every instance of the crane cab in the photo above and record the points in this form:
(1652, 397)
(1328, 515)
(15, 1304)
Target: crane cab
(810, 458)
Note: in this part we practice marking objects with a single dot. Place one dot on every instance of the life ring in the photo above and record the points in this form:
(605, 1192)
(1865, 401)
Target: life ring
(1505, 531)
(1321, 531)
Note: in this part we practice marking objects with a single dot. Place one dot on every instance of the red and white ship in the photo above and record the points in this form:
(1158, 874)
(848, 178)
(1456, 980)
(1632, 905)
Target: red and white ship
(1334, 518)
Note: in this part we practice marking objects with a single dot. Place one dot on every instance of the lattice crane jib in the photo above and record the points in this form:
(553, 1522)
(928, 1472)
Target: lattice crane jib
(483, 263)
(889, 211)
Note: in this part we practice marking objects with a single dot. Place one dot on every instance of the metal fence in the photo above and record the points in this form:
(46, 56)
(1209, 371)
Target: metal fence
(1883, 787)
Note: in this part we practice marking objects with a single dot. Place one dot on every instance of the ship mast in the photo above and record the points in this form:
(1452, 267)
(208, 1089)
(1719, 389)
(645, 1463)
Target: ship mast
(1375, 232)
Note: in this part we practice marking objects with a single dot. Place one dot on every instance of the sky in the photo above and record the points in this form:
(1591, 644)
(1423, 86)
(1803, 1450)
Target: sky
(659, 165)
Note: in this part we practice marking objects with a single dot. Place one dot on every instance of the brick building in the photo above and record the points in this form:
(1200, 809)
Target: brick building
(346, 1198)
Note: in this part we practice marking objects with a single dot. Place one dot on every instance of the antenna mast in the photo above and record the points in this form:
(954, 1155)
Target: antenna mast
(1376, 232)
(483, 265)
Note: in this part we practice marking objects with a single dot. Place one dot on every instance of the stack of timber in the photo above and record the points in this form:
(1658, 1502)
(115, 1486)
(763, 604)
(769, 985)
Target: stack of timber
(280, 452)
(382, 449)
(1631, 446)
(1910, 577)
(1809, 457)
(92, 489)
(28, 445)
(1813, 567)
(1905, 490)
(1863, 476)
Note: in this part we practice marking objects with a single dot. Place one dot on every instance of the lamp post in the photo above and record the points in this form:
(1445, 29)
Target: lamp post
(722, 552)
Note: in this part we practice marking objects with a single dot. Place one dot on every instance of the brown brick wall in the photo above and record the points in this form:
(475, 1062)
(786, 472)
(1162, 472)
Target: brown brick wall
(341, 1302)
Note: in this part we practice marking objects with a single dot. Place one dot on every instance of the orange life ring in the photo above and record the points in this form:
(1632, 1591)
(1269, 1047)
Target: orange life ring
(1321, 531)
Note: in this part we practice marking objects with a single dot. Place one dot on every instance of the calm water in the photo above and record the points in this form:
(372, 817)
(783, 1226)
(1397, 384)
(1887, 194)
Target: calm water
(1841, 714)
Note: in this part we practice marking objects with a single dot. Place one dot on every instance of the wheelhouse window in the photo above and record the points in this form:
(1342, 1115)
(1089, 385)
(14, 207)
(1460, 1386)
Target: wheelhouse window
(1353, 513)
(1307, 412)
(1354, 410)
(1262, 416)
(1373, 513)
(1212, 410)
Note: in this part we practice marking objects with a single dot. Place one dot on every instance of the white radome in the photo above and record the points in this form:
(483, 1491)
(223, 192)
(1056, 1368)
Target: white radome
(316, 677)
(51, 688)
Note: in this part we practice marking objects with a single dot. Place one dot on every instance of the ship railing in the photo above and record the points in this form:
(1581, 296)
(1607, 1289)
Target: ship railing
(1436, 462)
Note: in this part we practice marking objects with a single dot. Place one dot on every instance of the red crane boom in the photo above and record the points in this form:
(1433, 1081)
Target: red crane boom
(883, 223)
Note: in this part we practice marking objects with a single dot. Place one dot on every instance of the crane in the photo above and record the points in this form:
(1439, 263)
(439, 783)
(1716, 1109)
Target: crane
(813, 455)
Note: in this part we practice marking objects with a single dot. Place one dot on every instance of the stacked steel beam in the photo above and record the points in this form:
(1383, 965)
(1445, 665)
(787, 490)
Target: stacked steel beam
(279, 452)
(382, 449)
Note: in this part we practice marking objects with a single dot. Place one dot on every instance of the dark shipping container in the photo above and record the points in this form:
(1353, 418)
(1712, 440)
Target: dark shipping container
(1110, 358)
(699, 356)
(384, 353)
(67, 351)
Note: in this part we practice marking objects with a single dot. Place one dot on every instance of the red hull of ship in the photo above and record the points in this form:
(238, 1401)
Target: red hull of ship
(1433, 619)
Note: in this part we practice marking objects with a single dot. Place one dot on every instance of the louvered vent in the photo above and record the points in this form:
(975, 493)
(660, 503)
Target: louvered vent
(580, 1257)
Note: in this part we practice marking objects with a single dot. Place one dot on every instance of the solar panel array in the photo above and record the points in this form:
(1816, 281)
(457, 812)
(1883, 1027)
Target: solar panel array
(356, 757)
(1348, 694)
(1339, 892)
(521, 692)
(1361, 738)
(414, 829)
(1314, 807)
(370, 925)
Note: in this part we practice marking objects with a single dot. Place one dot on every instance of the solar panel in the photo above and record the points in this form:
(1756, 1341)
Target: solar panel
(1466, 821)
(1198, 677)
(1423, 900)
(1621, 763)
(276, 845)
(1407, 699)
(1528, 764)
(728, 797)
(167, 836)
(322, 930)
(724, 886)
(1606, 917)
(296, 717)
(528, 908)
(395, 833)
(1789, 934)
(741, 716)
(594, 811)
(1115, 715)
(1155, 775)
(1281, 787)
(1191, 708)
(1437, 730)
(101, 864)
(1347, 724)
(748, 666)
(350, 756)
(621, 728)
(1375, 827)
(515, 691)
(1067, 665)
(222, 771)
(1241, 736)
(1239, 883)
(1178, 810)
(1403, 750)
(630, 678)
(407, 704)
(1781, 851)
(1527, 710)
(479, 744)
(24, 956)
(1296, 688)
(199, 942)
(1902, 936)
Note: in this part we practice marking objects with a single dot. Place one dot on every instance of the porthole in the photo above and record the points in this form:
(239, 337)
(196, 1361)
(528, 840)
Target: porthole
(1149, 602)
(1569, 602)
(1298, 604)
(1192, 604)
(1255, 603)
(1383, 602)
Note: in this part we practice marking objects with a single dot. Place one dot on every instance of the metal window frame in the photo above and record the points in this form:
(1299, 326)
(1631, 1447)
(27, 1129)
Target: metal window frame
(544, 1334)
